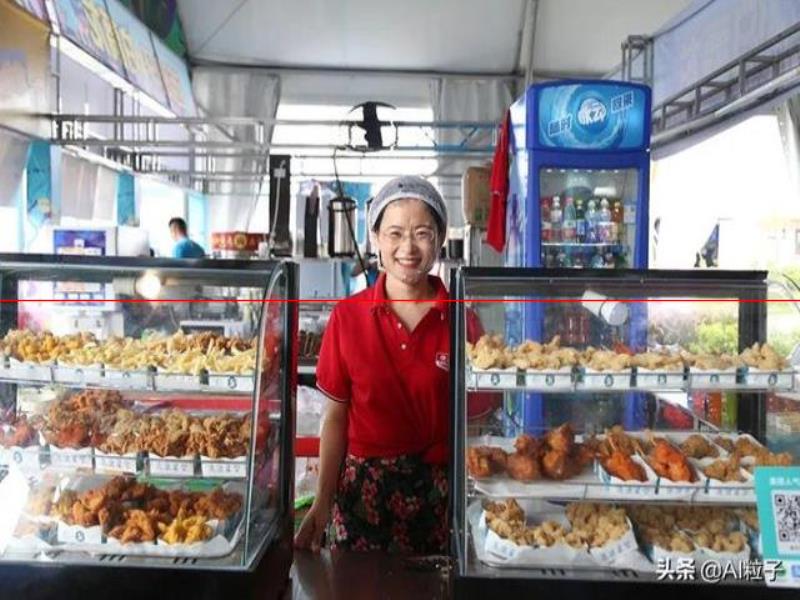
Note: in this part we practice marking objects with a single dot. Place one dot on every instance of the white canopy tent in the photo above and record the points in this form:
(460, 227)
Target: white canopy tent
(463, 59)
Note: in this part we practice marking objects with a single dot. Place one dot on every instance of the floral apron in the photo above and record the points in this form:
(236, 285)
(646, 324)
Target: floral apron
(396, 505)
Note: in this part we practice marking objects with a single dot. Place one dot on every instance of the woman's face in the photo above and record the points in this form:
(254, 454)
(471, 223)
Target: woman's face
(408, 240)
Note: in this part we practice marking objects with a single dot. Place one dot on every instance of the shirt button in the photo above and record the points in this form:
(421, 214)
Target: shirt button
(402, 346)
(399, 325)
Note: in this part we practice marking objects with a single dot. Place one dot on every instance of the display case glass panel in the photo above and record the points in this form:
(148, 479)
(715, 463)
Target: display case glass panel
(588, 217)
(627, 429)
(146, 410)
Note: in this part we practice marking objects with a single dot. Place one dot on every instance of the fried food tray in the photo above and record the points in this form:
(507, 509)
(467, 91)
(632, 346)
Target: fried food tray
(55, 535)
(594, 483)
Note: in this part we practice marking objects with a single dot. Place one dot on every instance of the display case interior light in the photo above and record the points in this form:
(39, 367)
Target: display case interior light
(148, 285)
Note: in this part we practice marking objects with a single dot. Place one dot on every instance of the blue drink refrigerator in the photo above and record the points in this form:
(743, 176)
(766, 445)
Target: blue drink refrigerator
(578, 199)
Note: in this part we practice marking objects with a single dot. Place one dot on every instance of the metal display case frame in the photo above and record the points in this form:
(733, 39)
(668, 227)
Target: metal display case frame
(474, 579)
(259, 561)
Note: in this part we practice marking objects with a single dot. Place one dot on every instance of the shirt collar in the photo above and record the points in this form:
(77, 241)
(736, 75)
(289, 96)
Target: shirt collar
(380, 300)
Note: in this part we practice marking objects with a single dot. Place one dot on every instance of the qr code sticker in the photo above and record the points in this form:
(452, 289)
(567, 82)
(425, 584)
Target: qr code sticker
(786, 507)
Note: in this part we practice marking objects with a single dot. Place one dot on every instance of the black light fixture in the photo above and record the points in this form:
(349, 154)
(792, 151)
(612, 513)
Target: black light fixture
(371, 125)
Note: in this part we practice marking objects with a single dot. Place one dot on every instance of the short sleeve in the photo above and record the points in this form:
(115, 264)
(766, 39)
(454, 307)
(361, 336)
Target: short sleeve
(333, 379)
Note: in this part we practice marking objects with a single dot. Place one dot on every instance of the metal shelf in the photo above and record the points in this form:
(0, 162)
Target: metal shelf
(577, 380)
(113, 379)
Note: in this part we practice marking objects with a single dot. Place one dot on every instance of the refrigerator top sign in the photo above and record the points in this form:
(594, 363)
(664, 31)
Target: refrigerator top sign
(592, 116)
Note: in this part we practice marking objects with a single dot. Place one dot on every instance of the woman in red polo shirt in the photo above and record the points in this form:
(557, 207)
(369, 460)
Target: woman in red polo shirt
(384, 365)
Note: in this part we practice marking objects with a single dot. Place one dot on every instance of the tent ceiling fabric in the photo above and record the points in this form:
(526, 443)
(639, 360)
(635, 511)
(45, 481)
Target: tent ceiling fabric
(472, 36)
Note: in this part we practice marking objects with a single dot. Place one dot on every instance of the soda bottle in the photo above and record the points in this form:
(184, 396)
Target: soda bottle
(568, 229)
(580, 222)
(604, 222)
(618, 221)
(591, 223)
(547, 229)
(556, 218)
(597, 261)
(549, 259)
(561, 259)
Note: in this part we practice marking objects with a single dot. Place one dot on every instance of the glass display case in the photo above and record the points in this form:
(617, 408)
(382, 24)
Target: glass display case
(579, 500)
(146, 413)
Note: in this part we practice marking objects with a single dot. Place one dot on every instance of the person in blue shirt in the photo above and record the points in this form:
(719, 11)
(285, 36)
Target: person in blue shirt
(184, 247)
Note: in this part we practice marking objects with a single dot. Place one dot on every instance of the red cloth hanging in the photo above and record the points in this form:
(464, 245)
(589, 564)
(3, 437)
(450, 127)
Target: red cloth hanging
(496, 230)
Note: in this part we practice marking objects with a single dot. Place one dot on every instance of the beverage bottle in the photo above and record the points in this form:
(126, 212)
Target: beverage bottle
(618, 221)
(568, 228)
(556, 218)
(604, 222)
(580, 222)
(597, 261)
(577, 262)
(591, 223)
(549, 259)
(547, 229)
(561, 259)
(568, 258)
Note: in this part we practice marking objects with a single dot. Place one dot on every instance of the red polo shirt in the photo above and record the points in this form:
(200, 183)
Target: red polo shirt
(396, 381)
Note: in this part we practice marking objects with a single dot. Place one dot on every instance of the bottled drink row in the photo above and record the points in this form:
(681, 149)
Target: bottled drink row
(588, 257)
(579, 221)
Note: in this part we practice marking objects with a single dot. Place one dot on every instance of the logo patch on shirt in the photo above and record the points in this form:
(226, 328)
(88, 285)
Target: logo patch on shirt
(443, 361)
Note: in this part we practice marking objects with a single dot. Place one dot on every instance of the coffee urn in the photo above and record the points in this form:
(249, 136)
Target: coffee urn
(341, 226)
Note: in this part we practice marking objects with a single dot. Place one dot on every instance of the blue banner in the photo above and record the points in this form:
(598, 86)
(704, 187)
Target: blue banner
(593, 116)
(39, 202)
(126, 200)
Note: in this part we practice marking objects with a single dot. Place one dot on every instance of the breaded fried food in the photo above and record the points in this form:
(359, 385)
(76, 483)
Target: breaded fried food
(698, 446)
(485, 461)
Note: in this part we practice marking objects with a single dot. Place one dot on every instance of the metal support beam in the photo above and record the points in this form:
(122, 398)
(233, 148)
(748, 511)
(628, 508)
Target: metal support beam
(767, 70)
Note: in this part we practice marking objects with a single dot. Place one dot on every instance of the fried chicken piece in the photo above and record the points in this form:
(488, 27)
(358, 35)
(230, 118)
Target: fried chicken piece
(744, 446)
(560, 439)
(557, 465)
(137, 527)
(697, 446)
(218, 504)
(724, 443)
(725, 470)
(623, 467)
(83, 516)
(527, 445)
(485, 461)
(508, 510)
(617, 440)
(669, 462)
(21, 433)
(523, 467)
(74, 434)
(770, 459)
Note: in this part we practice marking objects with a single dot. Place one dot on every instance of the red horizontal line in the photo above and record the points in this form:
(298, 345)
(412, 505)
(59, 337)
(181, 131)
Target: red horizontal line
(367, 301)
